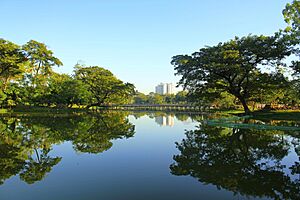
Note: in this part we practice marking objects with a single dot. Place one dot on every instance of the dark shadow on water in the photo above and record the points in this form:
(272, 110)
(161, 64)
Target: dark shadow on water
(25, 142)
(248, 162)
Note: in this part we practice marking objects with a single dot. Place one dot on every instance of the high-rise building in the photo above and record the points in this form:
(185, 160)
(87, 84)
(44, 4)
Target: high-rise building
(160, 89)
(169, 88)
(164, 88)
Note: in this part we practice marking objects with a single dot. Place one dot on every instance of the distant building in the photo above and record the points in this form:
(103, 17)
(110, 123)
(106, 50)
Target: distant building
(160, 89)
(170, 89)
(164, 88)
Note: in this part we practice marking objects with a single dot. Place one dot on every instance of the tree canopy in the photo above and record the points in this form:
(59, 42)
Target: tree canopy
(12, 60)
(41, 59)
(236, 67)
(27, 77)
(103, 85)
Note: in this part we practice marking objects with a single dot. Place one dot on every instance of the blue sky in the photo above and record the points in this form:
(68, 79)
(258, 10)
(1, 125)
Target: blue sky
(135, 39)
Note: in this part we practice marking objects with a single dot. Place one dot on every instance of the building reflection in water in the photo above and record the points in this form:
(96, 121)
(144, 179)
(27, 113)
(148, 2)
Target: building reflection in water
(165, 120)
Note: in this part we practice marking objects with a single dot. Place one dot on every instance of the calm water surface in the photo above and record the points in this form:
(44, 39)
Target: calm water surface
(117, 155)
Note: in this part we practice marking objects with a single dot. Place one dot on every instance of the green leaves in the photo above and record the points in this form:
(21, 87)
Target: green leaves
(234, 66)
(12, 59)
(41, 60)
(291, 15)
(103, 85)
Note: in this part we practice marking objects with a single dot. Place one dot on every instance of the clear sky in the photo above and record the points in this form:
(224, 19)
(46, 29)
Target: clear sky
(135, 39)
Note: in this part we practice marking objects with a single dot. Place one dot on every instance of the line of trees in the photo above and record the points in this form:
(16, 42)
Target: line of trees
(27, 78)
(250, 69)
(153, 98)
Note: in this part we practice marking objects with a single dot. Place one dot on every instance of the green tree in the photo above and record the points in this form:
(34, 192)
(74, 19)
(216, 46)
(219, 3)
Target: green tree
(140, 98)
(291, 33)
(169, 98)
(181, 97)
(41, 60)
(104, 86)
(155, 99)
(12, 60)
(65, 90)
(225, 100)
(291, 14)
(234, 66)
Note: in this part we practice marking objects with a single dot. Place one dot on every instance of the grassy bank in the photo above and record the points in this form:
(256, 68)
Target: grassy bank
(264, 115)
(278, 115)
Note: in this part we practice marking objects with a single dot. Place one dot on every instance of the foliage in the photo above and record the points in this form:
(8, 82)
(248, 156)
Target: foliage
(140, 98)
(154, 98)
(27, 78)
(41, 61)
(291, 33)
(291, 14)
(103, 85)
(181, 97)
(235, 67)
(64, 90)
(12, 60)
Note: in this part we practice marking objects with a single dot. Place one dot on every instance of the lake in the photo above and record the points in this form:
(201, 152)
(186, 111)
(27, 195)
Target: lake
(120, 155)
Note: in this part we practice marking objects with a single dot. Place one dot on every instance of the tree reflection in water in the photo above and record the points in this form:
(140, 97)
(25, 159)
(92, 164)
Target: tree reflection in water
(25, 142)
(245, 161)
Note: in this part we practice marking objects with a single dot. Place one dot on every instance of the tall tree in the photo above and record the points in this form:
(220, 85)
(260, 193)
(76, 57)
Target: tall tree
(291, 33)
(291, 14)
(41, 60)
(103, 85)
(235, 67)
(65, 90)
(12, 60)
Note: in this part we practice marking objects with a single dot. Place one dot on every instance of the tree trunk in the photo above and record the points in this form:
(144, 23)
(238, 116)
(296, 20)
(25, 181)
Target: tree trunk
(244, 103)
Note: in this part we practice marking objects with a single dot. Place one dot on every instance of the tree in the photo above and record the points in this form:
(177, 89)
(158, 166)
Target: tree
(169, 98)
(65, 90)
(181, 97)
(41, 61)
(291, 33)
(225, 100)
(140, 98)
(155, 98)
(234, 66)
(103, 85)
(12, 60)
(291, 15)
